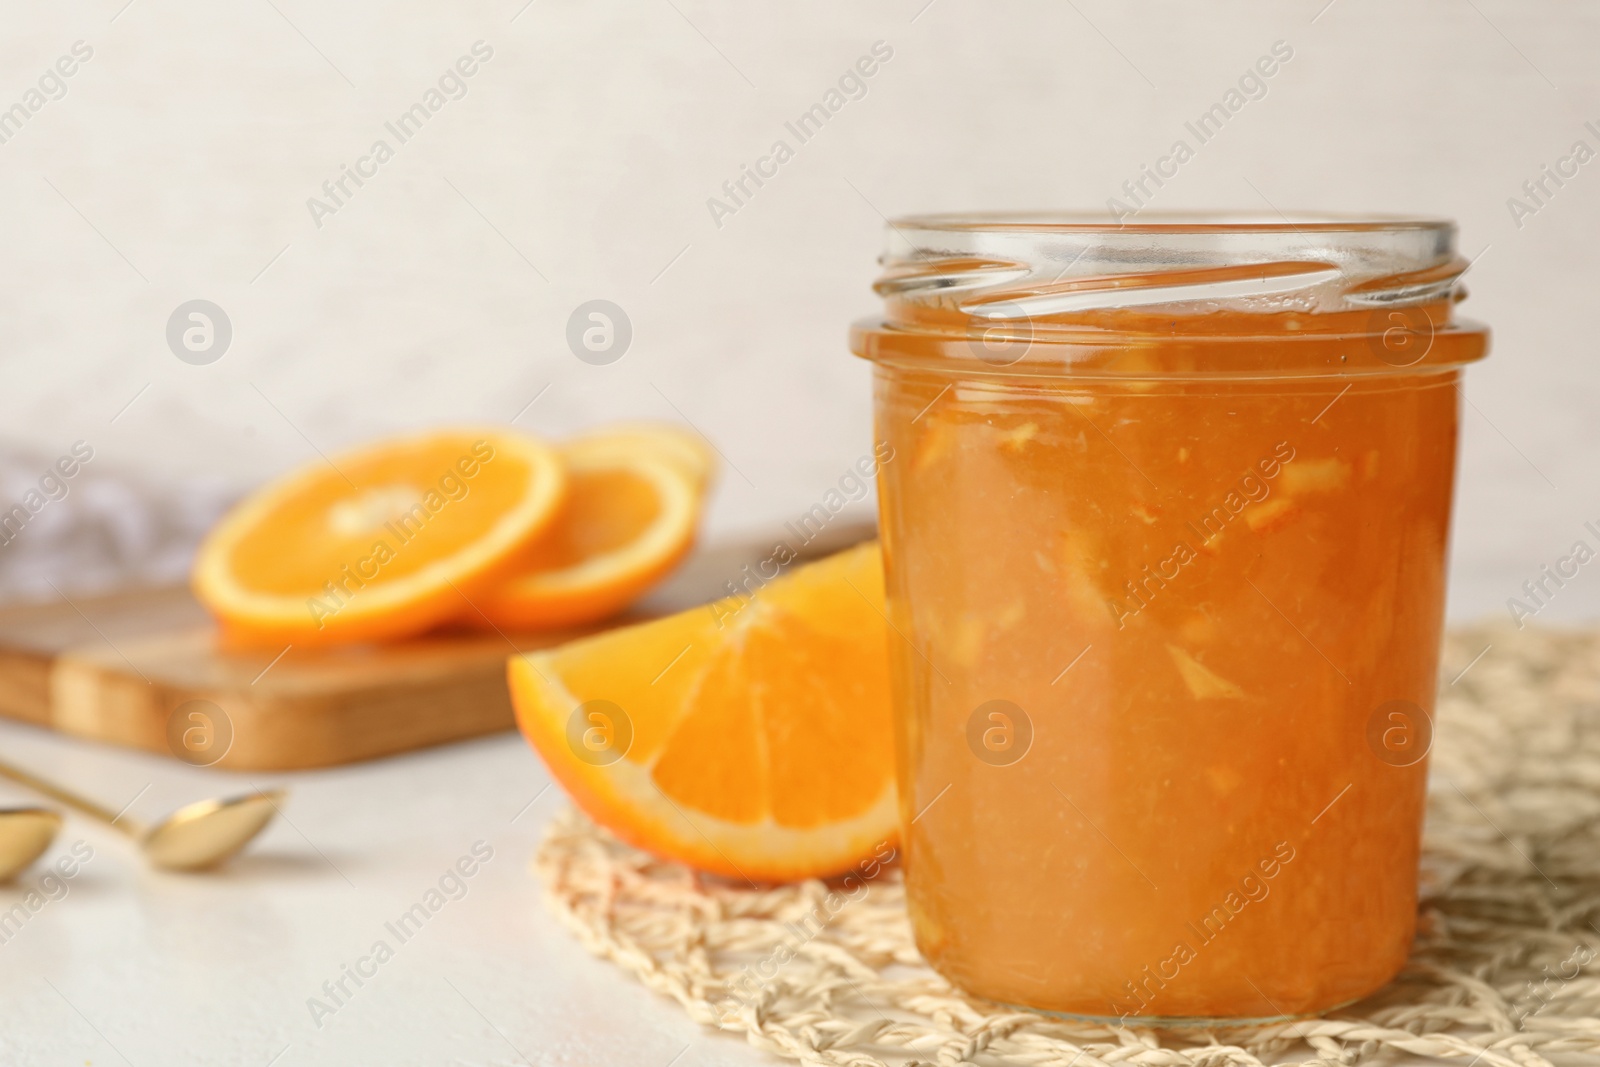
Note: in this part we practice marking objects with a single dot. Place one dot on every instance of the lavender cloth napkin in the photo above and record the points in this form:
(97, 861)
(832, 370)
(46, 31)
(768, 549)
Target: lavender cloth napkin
(72, 524)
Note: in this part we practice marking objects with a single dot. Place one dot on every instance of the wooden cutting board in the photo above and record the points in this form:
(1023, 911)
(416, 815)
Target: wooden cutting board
(144, 669)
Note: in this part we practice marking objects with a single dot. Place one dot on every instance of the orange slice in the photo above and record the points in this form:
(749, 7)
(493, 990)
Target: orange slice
(629, 518)
(682, 448)
(380, 542)
(751, 738)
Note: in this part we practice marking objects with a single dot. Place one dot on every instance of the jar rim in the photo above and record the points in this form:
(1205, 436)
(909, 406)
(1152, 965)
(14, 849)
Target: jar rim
(1174, 222)
(1009, 265)
(1064, 292)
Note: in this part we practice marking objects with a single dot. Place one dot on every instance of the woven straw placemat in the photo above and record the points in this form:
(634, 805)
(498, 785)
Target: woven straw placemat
(1502, 973)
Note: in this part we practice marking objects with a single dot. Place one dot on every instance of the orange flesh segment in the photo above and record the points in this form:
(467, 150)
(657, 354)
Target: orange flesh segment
(628, 519)
(606, 509)
(299, 544)
(382, 542)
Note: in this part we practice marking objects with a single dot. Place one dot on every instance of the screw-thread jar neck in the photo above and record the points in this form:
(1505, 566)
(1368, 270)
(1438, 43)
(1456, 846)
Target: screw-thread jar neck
(1059, 295)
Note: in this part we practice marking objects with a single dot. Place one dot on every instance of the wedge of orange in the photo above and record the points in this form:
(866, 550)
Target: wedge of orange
(380, 542)
(630, 516)
(749, 738)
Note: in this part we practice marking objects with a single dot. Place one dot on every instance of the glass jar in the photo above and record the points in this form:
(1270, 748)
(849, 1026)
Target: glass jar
(1164, 535)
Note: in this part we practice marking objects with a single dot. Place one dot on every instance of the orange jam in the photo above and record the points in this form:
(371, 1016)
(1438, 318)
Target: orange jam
(1165, 542)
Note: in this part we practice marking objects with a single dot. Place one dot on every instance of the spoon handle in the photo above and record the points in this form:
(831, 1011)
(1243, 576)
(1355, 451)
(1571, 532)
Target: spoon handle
(71, 800)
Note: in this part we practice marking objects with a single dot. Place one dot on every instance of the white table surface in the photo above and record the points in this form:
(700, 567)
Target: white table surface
(135, 966)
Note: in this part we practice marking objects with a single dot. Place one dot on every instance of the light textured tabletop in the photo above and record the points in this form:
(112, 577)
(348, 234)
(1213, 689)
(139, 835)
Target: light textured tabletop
(123, 964)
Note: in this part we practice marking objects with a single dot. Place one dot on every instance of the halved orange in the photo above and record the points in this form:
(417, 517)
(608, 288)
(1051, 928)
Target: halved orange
(629, 518)
(682, 448)
(751, 738)
(381, 542)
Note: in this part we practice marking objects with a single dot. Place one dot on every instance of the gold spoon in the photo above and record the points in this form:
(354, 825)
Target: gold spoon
(24, 835)
(194, 837)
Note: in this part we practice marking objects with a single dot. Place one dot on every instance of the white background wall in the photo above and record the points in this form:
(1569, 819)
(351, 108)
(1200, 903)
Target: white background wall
(578, 165)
